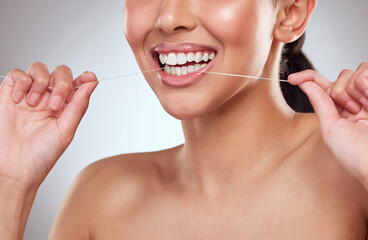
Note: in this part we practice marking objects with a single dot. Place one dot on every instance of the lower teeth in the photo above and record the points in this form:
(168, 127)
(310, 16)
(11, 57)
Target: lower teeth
(182, 71)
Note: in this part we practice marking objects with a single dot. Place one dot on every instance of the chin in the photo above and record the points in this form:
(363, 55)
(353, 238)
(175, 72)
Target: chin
(184, 110)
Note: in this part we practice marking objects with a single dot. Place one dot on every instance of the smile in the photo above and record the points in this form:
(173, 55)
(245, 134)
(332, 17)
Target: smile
(183, 64)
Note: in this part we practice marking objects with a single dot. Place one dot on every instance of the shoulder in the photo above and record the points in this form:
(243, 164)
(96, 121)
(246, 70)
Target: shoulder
(327, 178)
(111, 185)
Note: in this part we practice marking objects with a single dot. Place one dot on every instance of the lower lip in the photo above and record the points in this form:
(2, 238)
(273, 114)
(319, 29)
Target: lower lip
(181, 81)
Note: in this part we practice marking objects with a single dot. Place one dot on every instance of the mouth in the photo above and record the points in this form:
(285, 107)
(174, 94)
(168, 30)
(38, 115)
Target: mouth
(182, 64)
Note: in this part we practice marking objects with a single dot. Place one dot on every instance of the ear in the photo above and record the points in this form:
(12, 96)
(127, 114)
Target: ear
(292, 19)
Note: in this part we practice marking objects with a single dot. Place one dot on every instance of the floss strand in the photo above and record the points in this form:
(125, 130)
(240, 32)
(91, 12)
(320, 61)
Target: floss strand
(215, 73)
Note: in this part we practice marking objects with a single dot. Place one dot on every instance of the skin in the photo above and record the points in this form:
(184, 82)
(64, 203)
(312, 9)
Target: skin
(250, 166)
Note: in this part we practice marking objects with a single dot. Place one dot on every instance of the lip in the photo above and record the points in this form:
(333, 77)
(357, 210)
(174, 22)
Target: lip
(186, 80)
(180, 47)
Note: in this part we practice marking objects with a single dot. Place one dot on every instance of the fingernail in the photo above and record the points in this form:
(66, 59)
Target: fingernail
(55, 102)
(92, 88)
(33, 99)
(17, 97)
(353, 107)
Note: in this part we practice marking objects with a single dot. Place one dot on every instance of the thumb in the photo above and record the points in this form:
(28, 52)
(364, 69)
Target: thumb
(76, 108)
(316, 87)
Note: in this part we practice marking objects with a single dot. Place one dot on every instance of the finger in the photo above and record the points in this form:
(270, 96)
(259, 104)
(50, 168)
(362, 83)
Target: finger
(322, 103)
(21, 83)
(360, 84)
(310, 75)
(76, 108)
(83, 78)
(339, 92)
(62, 81)
(41, 78)
(317, 89)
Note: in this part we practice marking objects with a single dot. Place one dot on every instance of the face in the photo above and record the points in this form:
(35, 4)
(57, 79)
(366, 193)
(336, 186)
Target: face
(192, 37)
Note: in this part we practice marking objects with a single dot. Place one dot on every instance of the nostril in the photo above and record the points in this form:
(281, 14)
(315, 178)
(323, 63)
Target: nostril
(180, 27)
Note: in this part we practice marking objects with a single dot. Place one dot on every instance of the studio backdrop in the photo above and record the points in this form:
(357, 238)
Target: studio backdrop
(124, 115)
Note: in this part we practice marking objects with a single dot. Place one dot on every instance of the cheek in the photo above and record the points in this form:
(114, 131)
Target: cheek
(244, 28)
(138, 21)
(231, 22)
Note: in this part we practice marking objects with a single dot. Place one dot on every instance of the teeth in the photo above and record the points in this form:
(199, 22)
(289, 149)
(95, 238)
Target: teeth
(212, 56)
(197, 67)
(190, 57)
(178, 71)
(173, 70)
(184, 71)
(162, 59)
(182, 59)
(198, 57)
(171, 59)
(172, 62)
(190, 68)
(205, 57)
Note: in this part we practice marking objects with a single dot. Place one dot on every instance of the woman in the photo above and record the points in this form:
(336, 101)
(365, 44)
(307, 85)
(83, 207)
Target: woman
(251, 167)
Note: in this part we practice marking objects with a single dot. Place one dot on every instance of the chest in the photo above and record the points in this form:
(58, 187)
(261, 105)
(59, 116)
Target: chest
(257, 219)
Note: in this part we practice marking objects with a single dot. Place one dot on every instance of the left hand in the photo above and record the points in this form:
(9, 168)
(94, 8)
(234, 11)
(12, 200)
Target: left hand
(342, 110)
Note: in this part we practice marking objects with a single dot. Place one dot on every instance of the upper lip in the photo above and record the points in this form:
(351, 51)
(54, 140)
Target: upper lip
(180, 47)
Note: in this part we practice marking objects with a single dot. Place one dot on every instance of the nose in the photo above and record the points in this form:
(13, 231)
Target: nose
(176, 15)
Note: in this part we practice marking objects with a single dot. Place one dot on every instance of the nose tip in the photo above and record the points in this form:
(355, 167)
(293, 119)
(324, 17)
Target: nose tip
(175, 15)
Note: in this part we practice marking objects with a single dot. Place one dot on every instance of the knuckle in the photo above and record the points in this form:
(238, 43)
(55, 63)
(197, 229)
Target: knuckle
(361, 79)
(336, 92)
(363, 65)
(309, 71)
(350, 88)
(64, 68)
(345, 72)
(24, 79)
(16, 70)
(65, 85)
(39, 65)
(16, 73)
(364, 73)
(44, 82)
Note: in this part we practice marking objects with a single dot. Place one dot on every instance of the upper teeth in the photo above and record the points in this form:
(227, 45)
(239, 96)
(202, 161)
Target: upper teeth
(182, 58)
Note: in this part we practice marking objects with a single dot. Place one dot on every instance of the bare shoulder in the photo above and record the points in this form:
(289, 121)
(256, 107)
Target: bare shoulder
(111, 185)
(332, 184)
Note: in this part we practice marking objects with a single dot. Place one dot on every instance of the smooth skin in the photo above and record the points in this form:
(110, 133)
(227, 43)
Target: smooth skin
(250, 168)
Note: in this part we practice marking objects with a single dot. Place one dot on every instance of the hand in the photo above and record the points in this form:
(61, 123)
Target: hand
(342, 110)
(36, 125)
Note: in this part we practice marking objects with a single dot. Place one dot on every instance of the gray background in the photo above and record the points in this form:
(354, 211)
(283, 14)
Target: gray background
(124, 115)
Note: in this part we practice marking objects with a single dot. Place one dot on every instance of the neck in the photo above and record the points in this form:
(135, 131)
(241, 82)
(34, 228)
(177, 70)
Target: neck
(244, 137)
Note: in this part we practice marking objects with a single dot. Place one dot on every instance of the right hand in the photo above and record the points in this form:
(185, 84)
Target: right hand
(37, 125)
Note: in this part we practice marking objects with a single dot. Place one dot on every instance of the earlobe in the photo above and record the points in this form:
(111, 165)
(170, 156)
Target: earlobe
(293, 18)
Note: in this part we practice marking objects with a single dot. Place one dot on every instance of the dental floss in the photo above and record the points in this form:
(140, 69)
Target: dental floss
(244, 76)
(216, 73)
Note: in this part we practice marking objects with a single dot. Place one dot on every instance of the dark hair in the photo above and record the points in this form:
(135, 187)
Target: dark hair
(294, 60)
